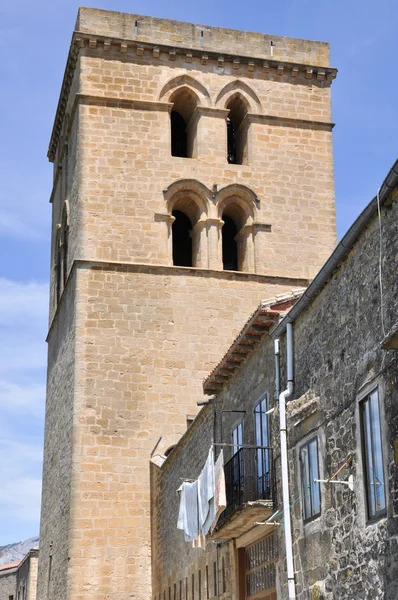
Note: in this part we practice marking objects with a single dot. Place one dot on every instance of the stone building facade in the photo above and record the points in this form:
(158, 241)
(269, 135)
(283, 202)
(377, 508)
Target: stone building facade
(18, 581)
(193, 176)
(342, 428)
(8, 579)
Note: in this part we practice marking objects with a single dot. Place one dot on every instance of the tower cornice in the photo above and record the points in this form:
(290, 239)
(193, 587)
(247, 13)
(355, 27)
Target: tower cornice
(139, 50)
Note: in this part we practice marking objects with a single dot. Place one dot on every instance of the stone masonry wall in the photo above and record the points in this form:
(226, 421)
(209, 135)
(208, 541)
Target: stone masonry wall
(173, 558)
(57, 466)
(180, 34)
(338, 356)
(133, 336)
(27, 577)
(147, 340)
(8, 584)
(128, 164)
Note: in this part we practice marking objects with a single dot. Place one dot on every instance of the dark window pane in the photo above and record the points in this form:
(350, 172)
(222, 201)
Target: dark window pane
(179, 142)
(229, 245)
(182, 241)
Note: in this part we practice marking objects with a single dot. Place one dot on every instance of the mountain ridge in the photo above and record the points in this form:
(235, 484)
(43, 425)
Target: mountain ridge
(16, 552)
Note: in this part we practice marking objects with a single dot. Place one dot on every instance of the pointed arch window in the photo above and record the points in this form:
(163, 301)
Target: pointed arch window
(233, 244)
(183, 123)
(237, 131)
(182, 241)
(229, 245)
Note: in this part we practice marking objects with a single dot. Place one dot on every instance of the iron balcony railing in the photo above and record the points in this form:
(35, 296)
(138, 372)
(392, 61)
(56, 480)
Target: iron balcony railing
(248, 476)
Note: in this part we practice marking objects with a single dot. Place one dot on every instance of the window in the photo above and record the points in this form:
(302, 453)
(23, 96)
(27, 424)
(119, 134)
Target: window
(229, 245)
(309, 472)
(236, 131)
(259, 569)
(237, 437)
(179, 142)
(236, 476)
(182, 241)
(262, 454)
(233, 244)
(183, 123)
(373, 456)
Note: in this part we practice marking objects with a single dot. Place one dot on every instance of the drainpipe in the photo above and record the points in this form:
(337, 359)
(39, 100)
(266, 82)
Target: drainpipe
(284, 463)
(277, 371)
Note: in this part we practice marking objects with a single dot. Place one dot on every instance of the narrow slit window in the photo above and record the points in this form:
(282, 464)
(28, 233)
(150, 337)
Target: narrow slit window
(263, 458)
(237, 131)
(182, 241)
(229, 244)
(179, 141)
(183, 123)
(373, 456)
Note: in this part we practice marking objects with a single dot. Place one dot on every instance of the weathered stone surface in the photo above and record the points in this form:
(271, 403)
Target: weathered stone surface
(131, 337)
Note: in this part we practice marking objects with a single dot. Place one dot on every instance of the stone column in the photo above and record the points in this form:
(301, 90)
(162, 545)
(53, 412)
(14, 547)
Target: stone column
(244, 239)
(199, 245)
(214, 227)
(168, 220)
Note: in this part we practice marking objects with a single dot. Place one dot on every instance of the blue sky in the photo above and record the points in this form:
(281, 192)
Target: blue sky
(34, 41)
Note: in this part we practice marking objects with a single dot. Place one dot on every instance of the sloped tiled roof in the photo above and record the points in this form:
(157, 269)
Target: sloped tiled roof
(267, 315)
(12, 565)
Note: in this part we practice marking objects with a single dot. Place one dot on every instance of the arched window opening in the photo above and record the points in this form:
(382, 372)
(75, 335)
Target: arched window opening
(182, 241)
(236, 131)
(229, 245)
(179, 142)
(233, 237)
(183, 123)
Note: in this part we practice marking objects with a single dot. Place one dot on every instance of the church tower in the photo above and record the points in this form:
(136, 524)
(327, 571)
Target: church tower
(193, 177)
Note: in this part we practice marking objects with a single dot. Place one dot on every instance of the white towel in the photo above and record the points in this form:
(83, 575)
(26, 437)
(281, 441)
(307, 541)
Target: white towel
(220, 496)
(188, 515)
(206, 494)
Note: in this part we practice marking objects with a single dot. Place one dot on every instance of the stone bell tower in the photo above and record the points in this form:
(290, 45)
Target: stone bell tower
(193, 177)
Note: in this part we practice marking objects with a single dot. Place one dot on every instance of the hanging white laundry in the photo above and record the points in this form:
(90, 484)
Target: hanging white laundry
(220, 496)
(188, 514)
(206, 494)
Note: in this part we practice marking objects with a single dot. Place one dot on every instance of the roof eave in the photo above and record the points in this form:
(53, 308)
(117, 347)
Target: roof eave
(341, 251)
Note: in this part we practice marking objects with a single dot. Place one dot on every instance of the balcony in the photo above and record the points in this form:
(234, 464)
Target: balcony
(250, 489)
